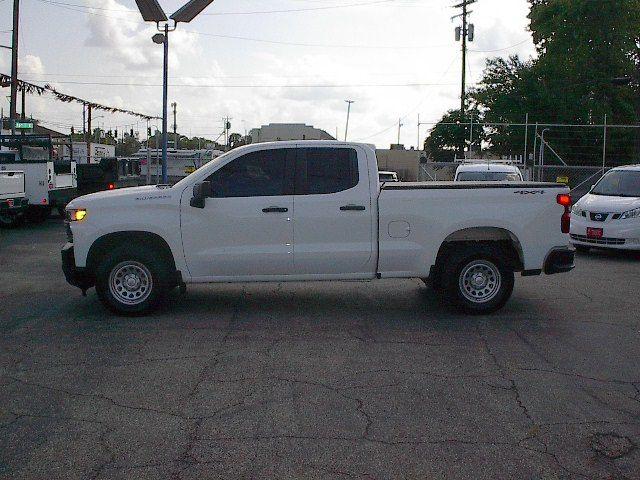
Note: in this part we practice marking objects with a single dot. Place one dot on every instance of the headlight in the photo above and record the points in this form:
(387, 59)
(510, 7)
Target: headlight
(76, 214)
(635, 213)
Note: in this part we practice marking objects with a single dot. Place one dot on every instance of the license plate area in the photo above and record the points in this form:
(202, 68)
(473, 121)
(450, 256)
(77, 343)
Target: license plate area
(594, 232)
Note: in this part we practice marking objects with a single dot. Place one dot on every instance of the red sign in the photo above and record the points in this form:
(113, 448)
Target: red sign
(594, 232)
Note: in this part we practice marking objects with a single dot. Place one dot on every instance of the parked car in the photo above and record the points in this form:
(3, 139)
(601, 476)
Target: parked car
(609, 215)
(488, 172)
(13, 200)
(233, 220)
(388, 176)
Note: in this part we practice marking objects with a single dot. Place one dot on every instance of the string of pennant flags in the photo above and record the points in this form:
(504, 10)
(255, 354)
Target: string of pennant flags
(5, 81)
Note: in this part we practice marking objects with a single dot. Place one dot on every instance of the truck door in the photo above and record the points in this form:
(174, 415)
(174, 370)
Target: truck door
(332, 213)
(246, 229)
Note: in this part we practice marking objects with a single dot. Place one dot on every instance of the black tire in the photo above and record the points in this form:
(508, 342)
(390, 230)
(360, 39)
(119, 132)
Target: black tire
(37, 214)
(582, 248)
(11, 221)
(137, 262)
(486, 263)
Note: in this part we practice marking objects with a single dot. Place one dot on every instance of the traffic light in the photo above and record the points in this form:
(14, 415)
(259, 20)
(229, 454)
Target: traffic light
(115, 134)
(148, 131)
(131, 133)
(471, 30)
(72, 131)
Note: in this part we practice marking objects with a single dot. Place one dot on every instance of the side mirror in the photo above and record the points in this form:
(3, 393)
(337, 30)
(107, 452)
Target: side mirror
(201, 191)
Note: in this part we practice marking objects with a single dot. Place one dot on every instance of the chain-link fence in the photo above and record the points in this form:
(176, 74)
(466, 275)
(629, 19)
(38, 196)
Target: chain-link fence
(573, 154)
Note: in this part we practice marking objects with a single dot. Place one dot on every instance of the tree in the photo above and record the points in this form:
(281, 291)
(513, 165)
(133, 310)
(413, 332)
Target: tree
(452, 131)
(127, 147)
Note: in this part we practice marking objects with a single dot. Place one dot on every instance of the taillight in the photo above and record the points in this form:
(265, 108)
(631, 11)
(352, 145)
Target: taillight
(111, 186)
(564, 199)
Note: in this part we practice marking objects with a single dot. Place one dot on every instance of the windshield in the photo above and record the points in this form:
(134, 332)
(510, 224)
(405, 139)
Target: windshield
(619, 183)
(488, 177)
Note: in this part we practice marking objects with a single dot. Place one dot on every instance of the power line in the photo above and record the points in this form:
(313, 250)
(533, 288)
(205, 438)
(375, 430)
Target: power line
(326, 85)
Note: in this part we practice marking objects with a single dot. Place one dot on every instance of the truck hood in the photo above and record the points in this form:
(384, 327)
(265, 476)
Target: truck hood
(608, 204)
(124, 195)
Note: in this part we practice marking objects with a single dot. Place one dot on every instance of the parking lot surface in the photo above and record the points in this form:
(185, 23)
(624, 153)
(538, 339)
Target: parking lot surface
(318, 380)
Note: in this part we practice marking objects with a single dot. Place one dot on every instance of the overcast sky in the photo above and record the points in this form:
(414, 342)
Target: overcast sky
(296, 64)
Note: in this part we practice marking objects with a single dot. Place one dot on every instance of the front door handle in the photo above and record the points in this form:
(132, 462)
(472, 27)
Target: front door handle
(357, 208)
(275, 210)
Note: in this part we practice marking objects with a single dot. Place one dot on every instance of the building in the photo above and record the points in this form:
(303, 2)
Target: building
(406, 163)
(276, 132)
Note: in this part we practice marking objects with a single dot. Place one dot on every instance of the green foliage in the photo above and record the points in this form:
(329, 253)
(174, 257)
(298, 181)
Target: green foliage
(582, 45)
(450, 132)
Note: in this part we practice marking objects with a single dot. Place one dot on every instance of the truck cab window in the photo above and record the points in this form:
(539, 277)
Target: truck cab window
(326, 170)
(256, 174)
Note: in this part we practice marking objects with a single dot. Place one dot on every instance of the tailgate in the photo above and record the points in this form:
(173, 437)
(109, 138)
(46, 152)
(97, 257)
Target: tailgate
(63, 180)
(11, 184)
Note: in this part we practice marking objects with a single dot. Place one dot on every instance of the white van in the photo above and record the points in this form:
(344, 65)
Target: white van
(488, 172)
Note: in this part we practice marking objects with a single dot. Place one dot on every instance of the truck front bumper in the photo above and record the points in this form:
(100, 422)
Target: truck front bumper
(78, 277)
(560, 260)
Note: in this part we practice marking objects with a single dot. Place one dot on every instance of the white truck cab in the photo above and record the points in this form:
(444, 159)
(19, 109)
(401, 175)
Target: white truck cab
(486, 171)
(313, 210)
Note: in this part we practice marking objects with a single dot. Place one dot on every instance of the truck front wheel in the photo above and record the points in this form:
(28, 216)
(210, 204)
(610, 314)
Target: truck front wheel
(477, 280)
(131, 280)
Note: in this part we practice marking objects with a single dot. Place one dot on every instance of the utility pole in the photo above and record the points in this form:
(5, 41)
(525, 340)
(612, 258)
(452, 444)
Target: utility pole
(175, 126)
(399, 127)
(88, 133)
(346, 128)
(464, 33)
(13, 115)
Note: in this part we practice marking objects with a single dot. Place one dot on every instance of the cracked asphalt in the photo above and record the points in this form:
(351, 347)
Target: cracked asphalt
(320, 380)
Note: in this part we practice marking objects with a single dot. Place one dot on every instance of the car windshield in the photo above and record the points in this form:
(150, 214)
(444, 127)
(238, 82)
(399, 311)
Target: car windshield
(619, 183)
(488, 177)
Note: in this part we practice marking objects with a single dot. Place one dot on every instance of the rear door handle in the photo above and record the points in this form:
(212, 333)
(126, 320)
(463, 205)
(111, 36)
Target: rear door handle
(358, 208)
(275, 210)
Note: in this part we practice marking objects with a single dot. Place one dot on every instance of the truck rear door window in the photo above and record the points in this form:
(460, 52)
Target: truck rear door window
(256, 174)
(326, 170)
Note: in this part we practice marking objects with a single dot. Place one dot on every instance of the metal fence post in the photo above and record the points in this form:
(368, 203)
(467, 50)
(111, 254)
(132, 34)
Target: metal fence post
(526, 134)
(535, 145)
(604, 144)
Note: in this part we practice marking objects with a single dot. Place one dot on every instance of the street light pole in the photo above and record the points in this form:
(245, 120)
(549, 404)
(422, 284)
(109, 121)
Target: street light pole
(165, 87)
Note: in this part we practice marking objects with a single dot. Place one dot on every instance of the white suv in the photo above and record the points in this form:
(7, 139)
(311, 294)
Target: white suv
(609, 215)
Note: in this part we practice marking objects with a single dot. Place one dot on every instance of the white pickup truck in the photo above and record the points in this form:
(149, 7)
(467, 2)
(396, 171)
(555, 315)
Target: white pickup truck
(314, 210)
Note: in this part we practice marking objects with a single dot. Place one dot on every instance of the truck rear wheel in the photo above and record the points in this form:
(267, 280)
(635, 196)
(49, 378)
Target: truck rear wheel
(132, 280)
(477, 280)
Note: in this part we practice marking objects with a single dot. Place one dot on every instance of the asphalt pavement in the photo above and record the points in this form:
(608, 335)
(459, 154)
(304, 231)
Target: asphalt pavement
(318, 380)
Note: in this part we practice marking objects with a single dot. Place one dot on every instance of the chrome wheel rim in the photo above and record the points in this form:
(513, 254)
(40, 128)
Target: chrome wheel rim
(130, 282)
(480, 281)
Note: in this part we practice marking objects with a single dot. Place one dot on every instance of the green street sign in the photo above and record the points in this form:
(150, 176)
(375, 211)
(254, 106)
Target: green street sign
(24, 125)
